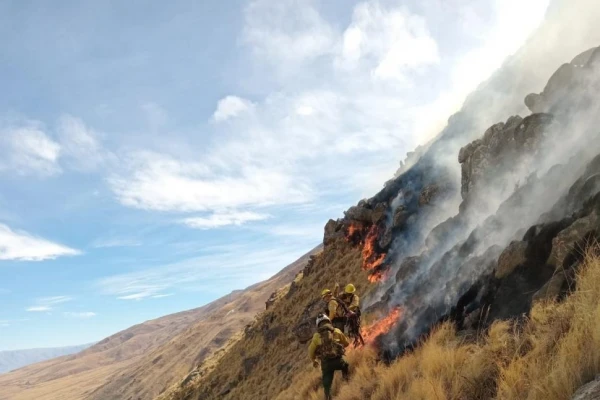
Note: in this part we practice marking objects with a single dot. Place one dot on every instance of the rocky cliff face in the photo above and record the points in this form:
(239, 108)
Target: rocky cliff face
(475, 229)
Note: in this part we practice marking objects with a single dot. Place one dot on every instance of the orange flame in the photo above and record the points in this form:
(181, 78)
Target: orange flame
(371, 259)
(352, 229)
(383, 325)
(379, 276)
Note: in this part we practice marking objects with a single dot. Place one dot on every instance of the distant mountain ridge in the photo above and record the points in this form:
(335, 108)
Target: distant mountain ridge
(14, 359)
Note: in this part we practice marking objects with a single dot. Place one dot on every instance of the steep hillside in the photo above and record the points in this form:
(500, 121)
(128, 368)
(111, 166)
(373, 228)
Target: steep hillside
(10, 360)
(147, 358)
(480, 225)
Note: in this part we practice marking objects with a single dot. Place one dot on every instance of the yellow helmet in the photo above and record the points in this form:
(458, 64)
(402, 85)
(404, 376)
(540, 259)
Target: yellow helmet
(325, 292)
(350, 288)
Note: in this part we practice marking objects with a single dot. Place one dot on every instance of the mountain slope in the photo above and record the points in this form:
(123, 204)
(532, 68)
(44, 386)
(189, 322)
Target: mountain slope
(490, 218)
(146, 358)
(13, 359)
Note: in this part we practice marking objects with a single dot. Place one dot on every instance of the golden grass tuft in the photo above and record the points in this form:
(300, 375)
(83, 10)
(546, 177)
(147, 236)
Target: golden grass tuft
(549, 356)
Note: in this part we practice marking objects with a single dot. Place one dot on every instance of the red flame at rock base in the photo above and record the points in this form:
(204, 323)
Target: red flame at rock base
(382, 326)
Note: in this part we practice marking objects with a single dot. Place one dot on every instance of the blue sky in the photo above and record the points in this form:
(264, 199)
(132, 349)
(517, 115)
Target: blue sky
(155, 156)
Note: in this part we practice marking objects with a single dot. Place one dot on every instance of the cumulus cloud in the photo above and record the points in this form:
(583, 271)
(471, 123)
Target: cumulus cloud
(230, 107)
(22, 246)
(217, 220)
(160, 182)
(390, 42)
(286, 34)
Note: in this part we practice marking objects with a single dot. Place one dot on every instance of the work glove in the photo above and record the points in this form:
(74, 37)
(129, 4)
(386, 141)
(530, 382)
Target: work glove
(315, 363)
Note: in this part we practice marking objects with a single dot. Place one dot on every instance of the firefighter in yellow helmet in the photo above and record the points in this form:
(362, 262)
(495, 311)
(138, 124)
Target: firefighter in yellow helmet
(328, 345)
(350, 298)
(333, 310)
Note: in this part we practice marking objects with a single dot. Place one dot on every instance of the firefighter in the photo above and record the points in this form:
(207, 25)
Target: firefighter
(328, 345)
(334, 310)
(350, 298)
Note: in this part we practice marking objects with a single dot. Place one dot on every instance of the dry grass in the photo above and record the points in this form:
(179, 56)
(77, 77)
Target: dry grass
(552, 354)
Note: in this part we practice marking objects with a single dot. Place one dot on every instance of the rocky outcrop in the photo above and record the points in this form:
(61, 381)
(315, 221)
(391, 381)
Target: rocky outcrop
(512, 257)
(589, 391)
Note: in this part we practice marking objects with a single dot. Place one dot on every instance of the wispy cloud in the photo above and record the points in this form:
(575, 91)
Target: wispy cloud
(160, 296)
(116, 242)
(22, 246)
(43, 304)
(38, 308)
(10, 322)
(80, 144)
(218, 220)
(28, 150)
(80, 315)
(227, 269)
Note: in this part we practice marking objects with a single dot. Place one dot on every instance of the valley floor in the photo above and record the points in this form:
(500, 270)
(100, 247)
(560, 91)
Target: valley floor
(548, 356)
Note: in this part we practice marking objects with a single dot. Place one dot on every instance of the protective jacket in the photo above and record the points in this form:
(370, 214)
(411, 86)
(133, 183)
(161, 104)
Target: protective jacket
(316, 342)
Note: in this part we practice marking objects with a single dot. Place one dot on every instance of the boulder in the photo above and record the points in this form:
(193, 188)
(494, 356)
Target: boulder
(512, 257)
(535, 103)
(428, 194)
(553, 288)
(333, 232)
(590, 391)
(378, 213)
(568, 239)
(385, 240)
(400, 217)
(305, 327)
(358, 213)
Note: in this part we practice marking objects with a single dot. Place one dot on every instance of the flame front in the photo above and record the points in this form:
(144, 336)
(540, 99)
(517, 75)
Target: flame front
(383, 325)
(352, 229)
(371, 259)
(379, 276)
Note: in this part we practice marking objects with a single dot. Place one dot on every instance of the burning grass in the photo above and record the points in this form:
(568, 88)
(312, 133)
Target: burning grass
(382, 326)
(555, 352)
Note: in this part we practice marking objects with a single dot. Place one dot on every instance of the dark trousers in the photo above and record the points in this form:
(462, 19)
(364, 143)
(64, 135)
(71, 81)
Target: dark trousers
(339, 322)
(328, 368)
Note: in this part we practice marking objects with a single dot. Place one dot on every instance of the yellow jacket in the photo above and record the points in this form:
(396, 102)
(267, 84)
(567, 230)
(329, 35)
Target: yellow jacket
(338, 336)
(353, 306)
(335, 310)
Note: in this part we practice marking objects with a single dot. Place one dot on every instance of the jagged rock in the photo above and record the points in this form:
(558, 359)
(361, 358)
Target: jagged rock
(310, 265)
(400, 217)
(590, 391)
(583, 58)
(358, 213)
(553, 288)
(559, 81)
(467, 151)
(305, 328)
(408, 267)
(272, 299)
(492, 131)
(378, 213)
(385, 240)
(511, 258)
(567, 240)
(333, 232)
(535, 103)
(428, 194)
